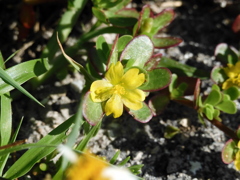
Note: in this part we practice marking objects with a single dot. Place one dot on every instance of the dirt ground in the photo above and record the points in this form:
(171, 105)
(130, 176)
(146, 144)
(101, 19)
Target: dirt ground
(193, 154)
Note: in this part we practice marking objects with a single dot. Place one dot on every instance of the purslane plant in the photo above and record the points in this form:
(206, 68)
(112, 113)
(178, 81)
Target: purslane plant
(119, 76)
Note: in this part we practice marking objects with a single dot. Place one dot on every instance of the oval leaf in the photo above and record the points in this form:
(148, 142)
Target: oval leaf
(142, 115)
(218, 75)
(92, 111)
(226, 54)
(158, 78)
(228, 151)
(139, 50)
(162, 20)
(166, 42)
(158, 103)
(213, 98)
(227, 107)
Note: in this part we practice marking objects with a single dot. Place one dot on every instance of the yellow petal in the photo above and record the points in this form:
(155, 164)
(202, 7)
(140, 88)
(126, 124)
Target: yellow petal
(228, 83)
(114, 73)
(131, 79)
(237, 161)
(133, 99)
(114, 106)
(100, 90)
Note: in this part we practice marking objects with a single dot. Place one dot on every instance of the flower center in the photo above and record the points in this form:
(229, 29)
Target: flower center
(118, 89)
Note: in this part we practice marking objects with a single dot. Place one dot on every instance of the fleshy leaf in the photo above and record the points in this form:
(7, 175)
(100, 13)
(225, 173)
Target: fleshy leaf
(145, 13)
(113, 57)
(213, 98)
(122, 21)
(99, 14)
(122, 42)
(170, 132)
(226, 54)
(218, 75)
(158, 103)
(142, 115)
(208, 110)
(233, 92)
(153, 62)
(236, 25)
(228, 151)
(92, 111)
(165, 42)
(158, 78)
(139, 50)
(227, 107)
(182, 69)
(162, 20)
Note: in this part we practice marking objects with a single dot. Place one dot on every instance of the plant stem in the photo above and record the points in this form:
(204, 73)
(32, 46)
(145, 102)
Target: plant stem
(60, 62)
(229, 132)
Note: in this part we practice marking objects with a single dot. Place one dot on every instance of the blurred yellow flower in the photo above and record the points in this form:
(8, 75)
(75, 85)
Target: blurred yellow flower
(118, 89)
(237, 158)
(87, 167)
(233, 72)
(90, 167)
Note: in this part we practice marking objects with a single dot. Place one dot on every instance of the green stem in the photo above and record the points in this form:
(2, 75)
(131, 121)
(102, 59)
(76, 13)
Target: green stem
(60, 62)
(64, 27)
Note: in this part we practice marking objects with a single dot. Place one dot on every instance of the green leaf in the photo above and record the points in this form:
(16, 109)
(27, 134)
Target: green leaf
(23, 72)
(100, 15)
(153, 62)
(4, 158)
(226, 54)
(92, 111)
(208, 110)
(123, 162)
(125, 12)
(114, 158)
(145, 13)
(136, 169)
(158, 103)
(122, 21)
(139, 50)
(165, 42)
(32, 156)
(218, 75)
(122, 43)
(213, 98)
(5, 119)
(182, 69)
(233, 92)
(171, 131)
(103, 50)
(75, 64)
(162, 20)
(228, 154)
(8, 80)
(113, 57)
(142, 115)
(82, 145)
(227, 107)
(179, 91)
(158, 78)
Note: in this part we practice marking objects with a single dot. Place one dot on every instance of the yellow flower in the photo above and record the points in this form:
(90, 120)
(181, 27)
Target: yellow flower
(118, 89)
(237, 158)
(87, 167)
(233, 72)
